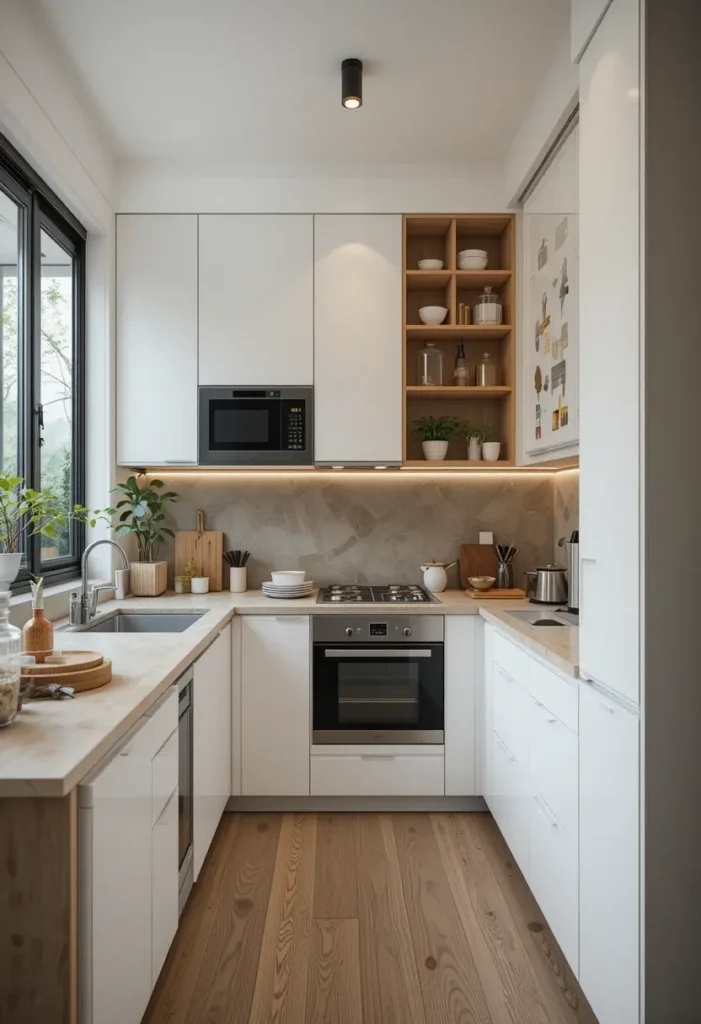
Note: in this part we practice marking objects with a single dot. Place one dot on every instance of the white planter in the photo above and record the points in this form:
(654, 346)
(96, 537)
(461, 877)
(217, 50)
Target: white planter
(237, 579)
(490, 451)
(474, 450)
(434, 451)
(199, 585)
(9, 567)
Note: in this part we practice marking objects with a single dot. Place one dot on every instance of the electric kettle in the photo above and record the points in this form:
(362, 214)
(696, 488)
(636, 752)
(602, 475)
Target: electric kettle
(547, 585)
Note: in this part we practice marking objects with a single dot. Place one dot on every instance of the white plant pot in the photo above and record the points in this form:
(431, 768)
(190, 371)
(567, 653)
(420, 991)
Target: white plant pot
(199, 585)
(434, 451)
(9, 567)
(474, 450)
(237, 579)
(490, 451)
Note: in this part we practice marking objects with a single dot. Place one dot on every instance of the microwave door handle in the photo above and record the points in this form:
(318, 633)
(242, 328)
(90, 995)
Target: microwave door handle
(406, 653)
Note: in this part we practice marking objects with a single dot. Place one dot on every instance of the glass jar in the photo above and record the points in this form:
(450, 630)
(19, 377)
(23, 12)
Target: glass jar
(430, 365)
(463, 374)
(487, 308)
(487, 372)
(10, 655)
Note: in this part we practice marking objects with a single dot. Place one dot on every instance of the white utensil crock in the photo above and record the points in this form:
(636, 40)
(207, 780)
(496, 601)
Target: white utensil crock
(237, 579)
(490, 451)
(199, 585)
(435, 578)
(434, 451)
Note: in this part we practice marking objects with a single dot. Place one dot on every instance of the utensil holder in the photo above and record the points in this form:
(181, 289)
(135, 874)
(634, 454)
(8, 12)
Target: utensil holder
(237, 579)
(505, 576)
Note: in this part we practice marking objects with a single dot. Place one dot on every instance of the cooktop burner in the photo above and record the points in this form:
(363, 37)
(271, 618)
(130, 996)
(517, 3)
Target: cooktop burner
(393, 593)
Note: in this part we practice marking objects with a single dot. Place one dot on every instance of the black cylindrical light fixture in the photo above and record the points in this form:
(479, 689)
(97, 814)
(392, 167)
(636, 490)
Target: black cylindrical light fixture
(352, 83)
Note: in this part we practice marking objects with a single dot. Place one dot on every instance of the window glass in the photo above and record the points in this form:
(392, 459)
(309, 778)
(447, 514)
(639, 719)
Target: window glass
(9, 332)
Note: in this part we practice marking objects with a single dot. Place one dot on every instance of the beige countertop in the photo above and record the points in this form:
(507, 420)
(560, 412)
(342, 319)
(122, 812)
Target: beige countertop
(52, 745)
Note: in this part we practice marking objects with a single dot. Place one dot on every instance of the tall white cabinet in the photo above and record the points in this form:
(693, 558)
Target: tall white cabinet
(156, 339)
(609, 178)
(358, 339)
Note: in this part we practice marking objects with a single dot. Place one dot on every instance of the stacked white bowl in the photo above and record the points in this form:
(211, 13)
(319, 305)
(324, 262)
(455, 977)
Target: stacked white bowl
(433, 315)
(472, 259)
(288, 583)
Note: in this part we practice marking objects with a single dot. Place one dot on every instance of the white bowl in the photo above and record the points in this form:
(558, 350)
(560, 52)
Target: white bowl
(473, 252)
(432, 315)
(288, 577)
(472, 263)
(430, 264)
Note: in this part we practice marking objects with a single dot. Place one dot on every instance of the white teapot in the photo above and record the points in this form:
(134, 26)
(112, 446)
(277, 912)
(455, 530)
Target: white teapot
(436, 575)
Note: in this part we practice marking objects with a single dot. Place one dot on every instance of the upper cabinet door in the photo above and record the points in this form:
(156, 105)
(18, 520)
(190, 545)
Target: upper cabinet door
(609, 260)
(256, 300)
(156, 339)
(585, 16)
(358, 338)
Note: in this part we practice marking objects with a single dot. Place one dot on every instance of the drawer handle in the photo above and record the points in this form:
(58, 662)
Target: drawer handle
(545, 813)
(377, 757)
(504, 675)
(607, 707)
(551, 721)
(504, 748)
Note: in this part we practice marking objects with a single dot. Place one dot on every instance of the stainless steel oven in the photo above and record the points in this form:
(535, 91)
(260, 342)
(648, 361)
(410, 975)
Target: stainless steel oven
(378, 680)
(256, 426)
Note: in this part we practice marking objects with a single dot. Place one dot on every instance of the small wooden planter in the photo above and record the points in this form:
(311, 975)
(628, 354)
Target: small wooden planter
(148, 579)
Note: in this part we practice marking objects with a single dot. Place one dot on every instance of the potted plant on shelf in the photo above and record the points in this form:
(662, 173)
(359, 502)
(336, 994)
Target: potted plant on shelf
(475, 437)
(24, 513)
(435, 433)
(143, 516)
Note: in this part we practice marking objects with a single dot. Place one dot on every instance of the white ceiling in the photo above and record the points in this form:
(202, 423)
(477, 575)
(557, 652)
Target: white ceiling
(235, 83)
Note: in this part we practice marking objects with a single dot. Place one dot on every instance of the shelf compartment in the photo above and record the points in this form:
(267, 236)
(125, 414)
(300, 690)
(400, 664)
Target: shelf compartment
(478, 280)
(447, 392)
(454, 332)
(426, 280)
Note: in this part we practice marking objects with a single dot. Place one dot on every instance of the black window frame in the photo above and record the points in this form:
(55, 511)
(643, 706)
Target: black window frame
(41, 209)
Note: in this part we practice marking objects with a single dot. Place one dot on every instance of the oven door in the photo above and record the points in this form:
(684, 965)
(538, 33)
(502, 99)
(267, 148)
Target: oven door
(388, 694)
(255, 426)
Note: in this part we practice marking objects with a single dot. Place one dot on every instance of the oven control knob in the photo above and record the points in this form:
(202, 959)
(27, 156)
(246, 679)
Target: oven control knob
(407, 631)
(349, 631)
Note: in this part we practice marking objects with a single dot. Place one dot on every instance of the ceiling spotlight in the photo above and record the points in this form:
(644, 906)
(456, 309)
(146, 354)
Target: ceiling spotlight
(352, 83)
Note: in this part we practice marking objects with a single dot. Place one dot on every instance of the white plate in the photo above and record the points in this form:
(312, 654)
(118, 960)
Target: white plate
(281, 591)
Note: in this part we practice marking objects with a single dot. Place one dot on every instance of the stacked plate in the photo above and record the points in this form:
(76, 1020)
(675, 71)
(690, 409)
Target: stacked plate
(288, 584)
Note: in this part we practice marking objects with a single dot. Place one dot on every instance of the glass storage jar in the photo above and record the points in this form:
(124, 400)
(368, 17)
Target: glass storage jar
(10, 655)
(430, 365)
(487, 308)
(487, 372)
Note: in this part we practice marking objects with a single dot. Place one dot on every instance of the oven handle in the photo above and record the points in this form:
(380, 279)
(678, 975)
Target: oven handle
(420, 653)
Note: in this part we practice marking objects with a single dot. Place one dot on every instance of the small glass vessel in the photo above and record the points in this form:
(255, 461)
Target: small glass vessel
(487, 308)
(10, 655)
(487, 372)
(430, 365)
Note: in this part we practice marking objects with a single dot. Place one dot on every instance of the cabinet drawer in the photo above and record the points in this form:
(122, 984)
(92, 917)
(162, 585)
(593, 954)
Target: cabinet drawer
(512, 706)
(553, 877)
(555, 693)
(164, 775)
(164, 884)
(510, 802)
(377, 775)
(554, 766)
(511, 659)
(162, 718)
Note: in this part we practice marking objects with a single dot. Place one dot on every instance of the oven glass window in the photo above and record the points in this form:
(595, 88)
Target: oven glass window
(244, 425)
(378, 693)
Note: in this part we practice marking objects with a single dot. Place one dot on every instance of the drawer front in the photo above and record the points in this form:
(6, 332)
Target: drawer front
(553, 877)
(164, 885)
(555, 766)
(164, 775)
(510, 802)
(555, 693)
(512, 706)
(512, 659)
(377, 775)
(163, 718)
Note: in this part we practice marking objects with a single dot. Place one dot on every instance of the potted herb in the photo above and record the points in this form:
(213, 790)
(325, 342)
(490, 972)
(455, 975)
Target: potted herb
(475, 437)
(435, 432)
(143, 516)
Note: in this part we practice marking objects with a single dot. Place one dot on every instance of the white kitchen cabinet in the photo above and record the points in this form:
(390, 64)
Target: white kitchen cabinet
(460, 713)
(164, 884)
(156, 325)
(609, 856)
(211, 743)
(256, 288)
(378, 774)
(275, 705)
(585, 16)
(511, 801)
(610, 363)
(358, 339)
(552, 876)
(485, 733)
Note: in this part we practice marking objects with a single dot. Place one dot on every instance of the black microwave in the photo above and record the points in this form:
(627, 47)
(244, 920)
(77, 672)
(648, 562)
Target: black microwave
(256, 426)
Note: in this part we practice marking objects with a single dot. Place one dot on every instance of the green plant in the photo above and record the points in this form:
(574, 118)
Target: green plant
(143, 514)
(436, 428)
(25, 512)
(478, 433)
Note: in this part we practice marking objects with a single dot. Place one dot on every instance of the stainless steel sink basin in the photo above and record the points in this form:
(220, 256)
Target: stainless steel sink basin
(546, 617)
(140, 622)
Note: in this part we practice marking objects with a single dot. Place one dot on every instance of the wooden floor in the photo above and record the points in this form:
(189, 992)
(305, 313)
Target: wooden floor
(374, 918)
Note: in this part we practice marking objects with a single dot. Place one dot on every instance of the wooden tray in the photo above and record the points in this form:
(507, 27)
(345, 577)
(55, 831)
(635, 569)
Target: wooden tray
(497, 595)
(55, 663)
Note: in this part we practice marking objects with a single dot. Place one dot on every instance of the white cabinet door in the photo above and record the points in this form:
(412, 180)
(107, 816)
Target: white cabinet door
(256, 299)
(460, 705)
(609, 145)
(585, 16)
(485, 736)
(211, 743)
(609, 856)
(275, 705)
(358, 339)
(164, 884)
(156, 339)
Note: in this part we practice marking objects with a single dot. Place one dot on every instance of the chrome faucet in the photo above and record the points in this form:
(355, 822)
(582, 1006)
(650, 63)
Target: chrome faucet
(85, 608)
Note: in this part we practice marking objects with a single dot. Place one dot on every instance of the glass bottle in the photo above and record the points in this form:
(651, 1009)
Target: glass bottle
(462, 374)
(10, 655)
(487, 372)
(430, 365)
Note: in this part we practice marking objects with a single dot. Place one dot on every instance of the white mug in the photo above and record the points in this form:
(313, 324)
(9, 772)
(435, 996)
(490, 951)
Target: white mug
(237, 579)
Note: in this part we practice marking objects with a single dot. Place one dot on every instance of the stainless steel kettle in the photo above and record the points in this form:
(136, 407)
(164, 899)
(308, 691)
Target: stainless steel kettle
(547, 585)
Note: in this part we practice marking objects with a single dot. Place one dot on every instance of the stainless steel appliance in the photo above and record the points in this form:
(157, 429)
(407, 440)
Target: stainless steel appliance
(393, 593)
(256, 426)
(378, 680)
(547, 585)
(573, 573)
(185, 795)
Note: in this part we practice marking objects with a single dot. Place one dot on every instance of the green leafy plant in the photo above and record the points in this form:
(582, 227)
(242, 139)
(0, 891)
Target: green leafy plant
(436, 428)
(25, 512)
(143, 514)
(478, 433)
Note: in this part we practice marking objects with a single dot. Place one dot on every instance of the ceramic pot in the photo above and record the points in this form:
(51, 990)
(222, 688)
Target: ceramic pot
(199, 585)
(148, 579)
(434, 451)
(435, 578)
(237, 579)
(474, 450)
(490, 451)
(9, 567)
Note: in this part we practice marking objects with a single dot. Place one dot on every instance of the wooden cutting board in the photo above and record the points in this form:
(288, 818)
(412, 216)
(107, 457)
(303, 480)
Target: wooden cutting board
(205, 548)
(55, 663)
(497, 595)
(83, 670)
(476, 560)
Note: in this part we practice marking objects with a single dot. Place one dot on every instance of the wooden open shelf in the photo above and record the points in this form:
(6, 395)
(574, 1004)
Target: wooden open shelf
(458, 464)
(454, 392)
(455, 332)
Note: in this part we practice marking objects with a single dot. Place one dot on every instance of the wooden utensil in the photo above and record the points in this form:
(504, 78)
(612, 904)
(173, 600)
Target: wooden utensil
(476, 560)
(203, 547)
(497, 595)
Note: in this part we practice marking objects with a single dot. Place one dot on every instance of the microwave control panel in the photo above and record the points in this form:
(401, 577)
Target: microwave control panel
(294, 432)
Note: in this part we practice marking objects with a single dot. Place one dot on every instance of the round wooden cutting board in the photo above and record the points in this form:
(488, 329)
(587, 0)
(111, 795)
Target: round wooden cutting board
(81, 670)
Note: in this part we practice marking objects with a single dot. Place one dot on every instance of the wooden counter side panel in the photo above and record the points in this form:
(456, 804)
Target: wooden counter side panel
(38, 905)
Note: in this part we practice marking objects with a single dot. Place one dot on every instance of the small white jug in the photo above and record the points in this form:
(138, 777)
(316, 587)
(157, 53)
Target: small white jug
(436, 576)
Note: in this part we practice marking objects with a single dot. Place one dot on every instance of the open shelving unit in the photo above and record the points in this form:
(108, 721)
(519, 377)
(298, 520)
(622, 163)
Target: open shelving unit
(440, 236)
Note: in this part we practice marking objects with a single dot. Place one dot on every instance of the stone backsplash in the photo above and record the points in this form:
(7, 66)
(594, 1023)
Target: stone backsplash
(566, 509)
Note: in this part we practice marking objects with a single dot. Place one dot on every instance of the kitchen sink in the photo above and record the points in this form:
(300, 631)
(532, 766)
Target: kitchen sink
(140, 622)
(546, 617)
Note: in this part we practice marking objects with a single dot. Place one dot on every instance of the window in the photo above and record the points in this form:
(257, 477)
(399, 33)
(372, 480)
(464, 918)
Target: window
(42, 303)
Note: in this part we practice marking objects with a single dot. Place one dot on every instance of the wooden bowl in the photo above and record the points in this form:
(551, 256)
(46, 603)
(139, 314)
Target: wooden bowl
(481, 582)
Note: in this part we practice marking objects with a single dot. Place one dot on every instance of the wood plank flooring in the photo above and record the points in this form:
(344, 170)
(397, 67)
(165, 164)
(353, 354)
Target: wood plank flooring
(364, 919)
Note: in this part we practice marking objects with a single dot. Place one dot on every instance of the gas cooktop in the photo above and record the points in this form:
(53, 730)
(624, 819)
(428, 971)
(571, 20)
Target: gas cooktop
(393, 593)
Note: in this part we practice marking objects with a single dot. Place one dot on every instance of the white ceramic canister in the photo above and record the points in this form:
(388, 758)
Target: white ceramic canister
(490, 451)
(200, 585)
(436, 576)
(237, 579)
